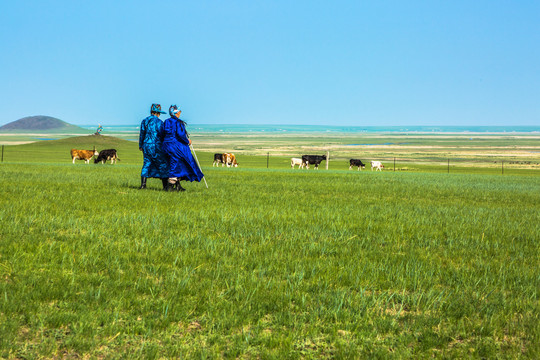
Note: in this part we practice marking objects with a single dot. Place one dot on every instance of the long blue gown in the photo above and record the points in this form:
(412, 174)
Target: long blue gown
(176, 145)
(150, 141)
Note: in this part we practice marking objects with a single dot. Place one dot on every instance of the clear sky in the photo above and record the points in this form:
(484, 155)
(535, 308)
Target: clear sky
(307, 62)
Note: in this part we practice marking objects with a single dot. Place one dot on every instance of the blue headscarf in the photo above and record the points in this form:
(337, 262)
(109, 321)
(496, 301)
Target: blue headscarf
(173, 110)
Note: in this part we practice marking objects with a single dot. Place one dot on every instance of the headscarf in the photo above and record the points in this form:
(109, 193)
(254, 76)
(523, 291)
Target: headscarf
(173, 110)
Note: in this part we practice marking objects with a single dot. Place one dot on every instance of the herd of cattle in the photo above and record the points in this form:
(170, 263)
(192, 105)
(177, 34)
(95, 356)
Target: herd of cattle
(87, 155)
(225, 159)
(315, 160)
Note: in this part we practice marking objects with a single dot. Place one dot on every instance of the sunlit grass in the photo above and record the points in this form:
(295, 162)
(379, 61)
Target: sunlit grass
(272, 263)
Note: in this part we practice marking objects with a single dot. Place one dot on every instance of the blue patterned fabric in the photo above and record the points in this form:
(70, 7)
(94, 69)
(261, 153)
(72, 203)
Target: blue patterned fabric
(176, 145)
(150, 141)
(156, 108)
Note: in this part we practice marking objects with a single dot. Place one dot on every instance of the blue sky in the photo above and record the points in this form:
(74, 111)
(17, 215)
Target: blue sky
(384, 63)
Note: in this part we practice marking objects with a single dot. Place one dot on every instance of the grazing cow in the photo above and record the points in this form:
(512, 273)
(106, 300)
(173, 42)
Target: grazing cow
(356, 162)
(218, 158)
(297, 161)
(377, 165)
(85, 155)
(230, 160)
(105, 155)
(313, 159)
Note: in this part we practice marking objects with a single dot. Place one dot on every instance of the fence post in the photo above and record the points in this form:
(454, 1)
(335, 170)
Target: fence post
(2, 153)
(327, 159)
(394, 164)
(267, 159)
(502, 166)
(449, 166)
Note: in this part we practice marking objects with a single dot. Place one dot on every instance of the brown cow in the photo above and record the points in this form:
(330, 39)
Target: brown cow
(230, 160)
(225, 159)
(85, 155)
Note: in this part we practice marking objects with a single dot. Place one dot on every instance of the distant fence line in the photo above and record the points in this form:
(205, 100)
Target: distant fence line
(390, 163)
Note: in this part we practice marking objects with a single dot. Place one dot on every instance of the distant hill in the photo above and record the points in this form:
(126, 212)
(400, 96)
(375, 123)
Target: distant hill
(41, 123)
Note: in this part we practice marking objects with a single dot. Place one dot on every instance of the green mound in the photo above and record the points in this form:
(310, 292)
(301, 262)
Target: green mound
(41, 123)
(59, 150)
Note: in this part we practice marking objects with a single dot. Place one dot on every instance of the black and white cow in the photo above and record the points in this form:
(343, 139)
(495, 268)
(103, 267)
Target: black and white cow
(356, 162)
(105, 155)
(218, 158)
(313, 160)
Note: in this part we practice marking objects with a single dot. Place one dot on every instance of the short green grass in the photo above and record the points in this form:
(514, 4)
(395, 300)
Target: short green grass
(270, 263)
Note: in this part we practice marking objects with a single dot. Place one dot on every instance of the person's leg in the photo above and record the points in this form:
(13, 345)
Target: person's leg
(165, 182)
(144, 170)
(179, 187)
(143, 183)
(171, 183)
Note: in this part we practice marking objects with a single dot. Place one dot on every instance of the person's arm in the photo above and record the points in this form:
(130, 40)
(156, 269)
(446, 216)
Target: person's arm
(161, 131)
(181, 134)
(142, 134)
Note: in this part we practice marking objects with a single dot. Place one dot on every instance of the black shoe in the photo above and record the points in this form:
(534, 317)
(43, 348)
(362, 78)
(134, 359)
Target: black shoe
(165, 183)
(179, 187)
(143, 183)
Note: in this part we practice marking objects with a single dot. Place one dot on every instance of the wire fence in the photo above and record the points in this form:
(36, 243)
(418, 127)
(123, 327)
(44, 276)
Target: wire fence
(434, 164)
(449, 164)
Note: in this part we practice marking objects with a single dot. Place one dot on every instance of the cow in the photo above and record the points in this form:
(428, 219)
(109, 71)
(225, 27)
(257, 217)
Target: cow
(218, 158)
(85, 155)
(225, 159)
(313, 159)
(230, 160)
(297, 161)
(105, 155)
(356, 162)
(377, 165)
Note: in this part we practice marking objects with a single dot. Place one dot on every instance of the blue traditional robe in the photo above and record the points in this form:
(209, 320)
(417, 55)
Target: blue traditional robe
(150, 141)
(176, 144)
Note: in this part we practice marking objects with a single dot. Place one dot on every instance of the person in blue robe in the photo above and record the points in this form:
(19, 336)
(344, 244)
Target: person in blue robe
(155, 163)
(176, 145)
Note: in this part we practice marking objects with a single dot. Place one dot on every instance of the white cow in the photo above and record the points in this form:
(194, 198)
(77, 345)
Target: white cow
(297, 161)
(377, 165)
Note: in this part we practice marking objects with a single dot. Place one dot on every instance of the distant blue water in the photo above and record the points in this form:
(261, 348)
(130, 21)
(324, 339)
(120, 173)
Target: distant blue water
(224, 128)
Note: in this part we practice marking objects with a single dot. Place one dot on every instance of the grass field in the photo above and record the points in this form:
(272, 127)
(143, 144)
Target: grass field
(269, 263)
(442, 153)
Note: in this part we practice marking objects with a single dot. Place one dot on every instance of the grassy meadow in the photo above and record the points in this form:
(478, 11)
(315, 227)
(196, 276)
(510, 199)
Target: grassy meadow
(266, 263)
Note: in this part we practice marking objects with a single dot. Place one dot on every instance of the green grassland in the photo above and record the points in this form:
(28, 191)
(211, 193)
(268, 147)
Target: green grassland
(266, 263)
(489, 154)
